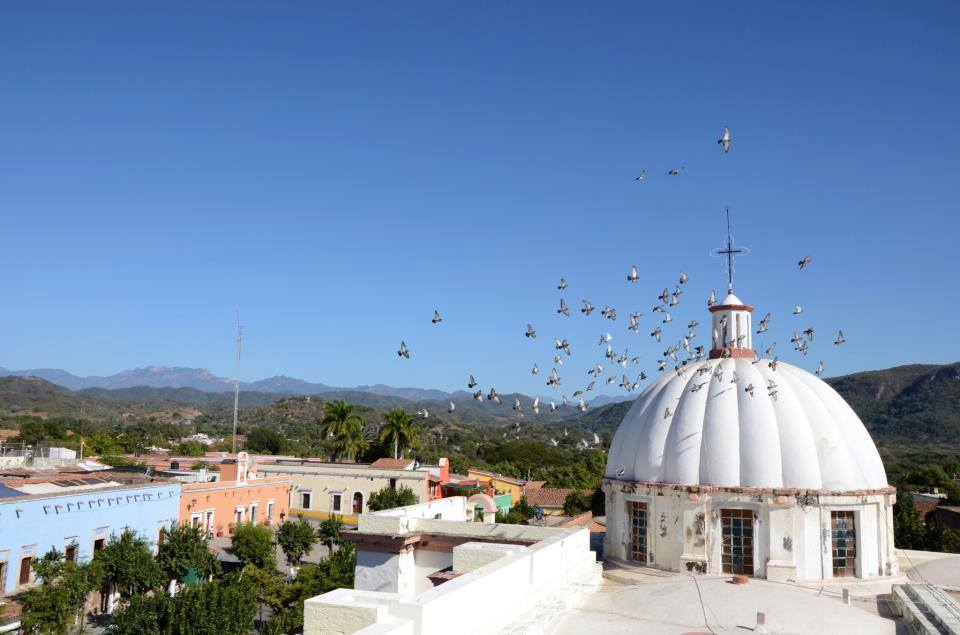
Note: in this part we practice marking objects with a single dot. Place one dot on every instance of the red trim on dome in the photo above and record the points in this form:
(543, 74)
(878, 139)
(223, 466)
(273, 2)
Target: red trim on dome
(739, 353)
(732, 307)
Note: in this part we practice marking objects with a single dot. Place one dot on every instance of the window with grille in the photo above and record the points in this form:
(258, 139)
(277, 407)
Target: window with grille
(736, 530)
(844, 533)
(638, 531)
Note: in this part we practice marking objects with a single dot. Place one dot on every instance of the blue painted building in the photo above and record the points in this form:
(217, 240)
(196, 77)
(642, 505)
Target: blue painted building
(77, 514)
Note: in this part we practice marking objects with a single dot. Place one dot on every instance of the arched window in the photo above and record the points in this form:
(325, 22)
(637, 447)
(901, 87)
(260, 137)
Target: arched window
(357, 503)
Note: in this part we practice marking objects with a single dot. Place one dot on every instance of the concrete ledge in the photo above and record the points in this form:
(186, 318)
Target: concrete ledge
(473, 555)
(927, 609)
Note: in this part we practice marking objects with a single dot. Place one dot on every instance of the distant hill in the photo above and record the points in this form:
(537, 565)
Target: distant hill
(909, 410)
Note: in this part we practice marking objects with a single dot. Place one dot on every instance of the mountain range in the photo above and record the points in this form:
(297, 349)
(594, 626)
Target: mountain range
(203, 380)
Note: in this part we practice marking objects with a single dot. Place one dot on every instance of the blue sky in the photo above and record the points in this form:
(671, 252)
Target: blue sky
(336, 171)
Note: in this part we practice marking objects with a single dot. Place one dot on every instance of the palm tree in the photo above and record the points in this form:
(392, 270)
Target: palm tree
(351, 441)
(337, 417)
(399, 429)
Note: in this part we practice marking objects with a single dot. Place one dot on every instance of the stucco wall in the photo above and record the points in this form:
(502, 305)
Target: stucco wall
(792, 539)
(34, 526)
(222, 499)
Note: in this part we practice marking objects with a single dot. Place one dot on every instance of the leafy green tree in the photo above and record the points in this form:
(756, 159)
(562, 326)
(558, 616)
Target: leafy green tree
(296, 538)
(575, 503)
(519, 513)
(265, 440)
(253, 545)
(400, 430)
(57, 604)
(390, 497)
(185, 547)
(190, 448)
(337, 416)
(227, 606)
(128, 565)
(937, 537)
(908, 524)
(330, 530)
(351, 441)
(598, 503)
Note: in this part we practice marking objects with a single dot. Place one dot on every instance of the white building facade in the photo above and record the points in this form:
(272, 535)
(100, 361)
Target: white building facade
(747, 466)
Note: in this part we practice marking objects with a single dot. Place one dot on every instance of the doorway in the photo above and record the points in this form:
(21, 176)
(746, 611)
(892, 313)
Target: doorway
(736, 530)
(638, 531)
(843, 531)
(358, 503)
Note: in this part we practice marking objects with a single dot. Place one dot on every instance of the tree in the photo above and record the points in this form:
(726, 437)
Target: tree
(337, 415)
(519, 513)
(224, 606)
(575, 503)
(128, 565)
(264, 439)
(57, 604)
(253, 545)
(185, 547)
(390, 497)
(908, 525)
(329, 531)
(296, 538)
(399, 429)
(190, 448)
(598, 503)
(350, 441)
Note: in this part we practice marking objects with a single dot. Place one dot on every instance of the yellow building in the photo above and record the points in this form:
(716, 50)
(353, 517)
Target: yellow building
(505, 484)
(321, 488)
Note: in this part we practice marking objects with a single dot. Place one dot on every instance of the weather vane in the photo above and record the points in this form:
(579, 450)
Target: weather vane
(730, 252)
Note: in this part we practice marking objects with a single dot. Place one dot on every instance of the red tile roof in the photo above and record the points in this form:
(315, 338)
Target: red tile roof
(392, 464)
(548, 496)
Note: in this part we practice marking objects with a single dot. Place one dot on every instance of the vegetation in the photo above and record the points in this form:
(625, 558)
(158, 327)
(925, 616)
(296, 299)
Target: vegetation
(329, 531)
(56, 606)
(390, 497)
(337, 417)
(127, 564)
(253, 545)
(296, 538)
(350, 442)
(184, 548)
(520, 513)
(912, 531)
(576, 502)
(399, 430)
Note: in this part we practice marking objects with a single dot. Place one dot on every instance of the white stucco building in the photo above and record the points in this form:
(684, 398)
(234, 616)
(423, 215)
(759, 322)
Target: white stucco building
(735, 464)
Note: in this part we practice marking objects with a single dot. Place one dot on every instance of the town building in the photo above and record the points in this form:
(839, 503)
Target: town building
(77, 514)
(516, 487)
(742, 465)
(550, 500)
(240, 495)
(320, 489)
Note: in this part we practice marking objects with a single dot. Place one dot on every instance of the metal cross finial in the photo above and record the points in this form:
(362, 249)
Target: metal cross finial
(730, 252)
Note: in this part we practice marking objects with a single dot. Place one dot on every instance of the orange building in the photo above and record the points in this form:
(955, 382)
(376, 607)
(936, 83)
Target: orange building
(240, 496)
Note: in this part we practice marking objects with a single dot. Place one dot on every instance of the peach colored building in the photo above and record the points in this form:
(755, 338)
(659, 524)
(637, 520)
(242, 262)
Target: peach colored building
(240, 496)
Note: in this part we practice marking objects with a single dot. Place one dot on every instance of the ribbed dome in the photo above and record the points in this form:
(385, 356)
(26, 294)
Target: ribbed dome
(700, 428)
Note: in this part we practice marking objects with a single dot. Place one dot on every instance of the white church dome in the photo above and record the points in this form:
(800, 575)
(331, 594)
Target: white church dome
(705, 428)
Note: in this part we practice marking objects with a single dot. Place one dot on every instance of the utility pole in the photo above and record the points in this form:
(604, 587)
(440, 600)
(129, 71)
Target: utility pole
(236, 384)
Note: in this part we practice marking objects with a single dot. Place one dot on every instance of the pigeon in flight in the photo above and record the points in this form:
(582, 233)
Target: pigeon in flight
(587, 308)
(451, 407)
(493, 396)
(634, 323)
(563, 308)
(773, 363)
(535, 369)
(724, 139)
(683, 278)
(840, 338)
(558, 360)
(553, 407)
(696, 387)
(749, 390)
(563, 284)
(819, 369)
(769, 351)
(516, 404)
(667, 413)
(562, 345)
(595, 371)
(804, 262)
(809, 333)
(536, 405)
(530, 331)
(554, 379)
(582, 406)
(436, 317)
(797, 309)
(478, 395)
(471, 382)
(713, 298)
(634, 275)
(667, 317)
(656, 333)
(664, 295)
(641, 176)
(606, 337)
(675, 171)
(764, 323)
(661, 365)
(424, 413)
(404, 351)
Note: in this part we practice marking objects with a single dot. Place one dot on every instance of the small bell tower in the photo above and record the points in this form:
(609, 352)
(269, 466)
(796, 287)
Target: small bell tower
(732, 327)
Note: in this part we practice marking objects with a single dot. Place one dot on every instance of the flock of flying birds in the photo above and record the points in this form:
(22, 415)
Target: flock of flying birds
(684, 346)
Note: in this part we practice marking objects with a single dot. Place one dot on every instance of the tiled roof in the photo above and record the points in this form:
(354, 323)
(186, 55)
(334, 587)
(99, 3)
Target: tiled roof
(534, 485)
(392, 464)
(547, 496)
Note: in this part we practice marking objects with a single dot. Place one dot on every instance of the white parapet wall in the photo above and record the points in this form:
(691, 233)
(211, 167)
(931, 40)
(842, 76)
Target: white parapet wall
(528, 584)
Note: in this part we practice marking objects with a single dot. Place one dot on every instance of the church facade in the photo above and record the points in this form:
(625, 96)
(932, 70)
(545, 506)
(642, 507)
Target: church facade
(747, 466)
